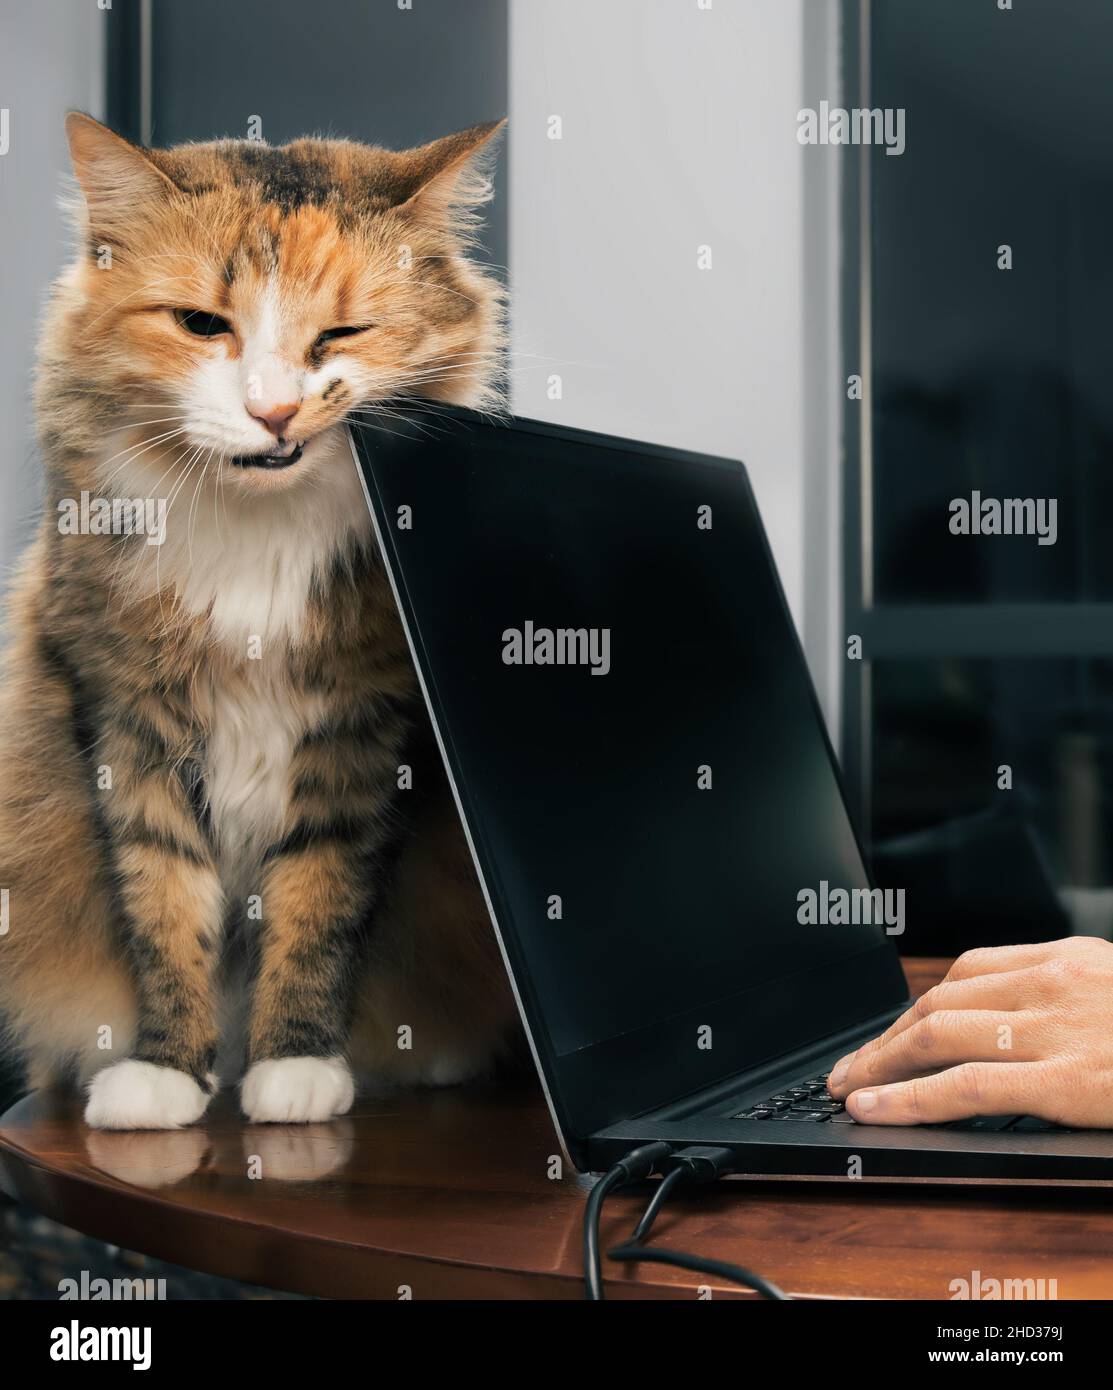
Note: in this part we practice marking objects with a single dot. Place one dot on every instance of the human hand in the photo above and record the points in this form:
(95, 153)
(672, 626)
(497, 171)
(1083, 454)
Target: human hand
(1011, 1030)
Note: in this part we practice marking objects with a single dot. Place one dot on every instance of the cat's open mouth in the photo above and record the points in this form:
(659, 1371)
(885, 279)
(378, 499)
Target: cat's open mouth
(283, 457)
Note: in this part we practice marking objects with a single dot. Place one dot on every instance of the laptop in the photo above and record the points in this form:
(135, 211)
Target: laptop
(652, 802)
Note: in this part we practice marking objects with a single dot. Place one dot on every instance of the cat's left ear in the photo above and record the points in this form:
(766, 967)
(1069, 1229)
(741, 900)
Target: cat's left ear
(452, 175)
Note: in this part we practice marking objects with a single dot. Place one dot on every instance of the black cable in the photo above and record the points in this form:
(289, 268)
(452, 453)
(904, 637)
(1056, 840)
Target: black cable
(735, 1274)
(593, 1278)
(633, 1167)
(664, 1187)
(699, 1163)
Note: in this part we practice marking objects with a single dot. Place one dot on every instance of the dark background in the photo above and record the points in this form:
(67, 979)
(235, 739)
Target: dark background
(986, 651)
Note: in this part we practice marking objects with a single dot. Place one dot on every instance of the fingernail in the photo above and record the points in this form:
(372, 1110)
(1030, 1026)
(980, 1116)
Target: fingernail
(838, 1076)
(865, 1101)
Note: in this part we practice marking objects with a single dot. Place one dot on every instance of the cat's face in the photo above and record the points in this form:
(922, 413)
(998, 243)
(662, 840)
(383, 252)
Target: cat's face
(236, 302)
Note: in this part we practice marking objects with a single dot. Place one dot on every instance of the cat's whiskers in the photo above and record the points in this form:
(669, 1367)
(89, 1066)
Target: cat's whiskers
(191, 422)
(189, 451)
(373, 415)
(140, 558)
(175, 493)
(398, 434)
(510, 357)
(191, 516)
(402, 406)
(136, 451)
(219, 500)
(140, 446)
(438, 376)
(181, 428)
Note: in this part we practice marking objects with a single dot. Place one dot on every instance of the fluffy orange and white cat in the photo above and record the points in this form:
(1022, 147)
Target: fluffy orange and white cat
(212, 872)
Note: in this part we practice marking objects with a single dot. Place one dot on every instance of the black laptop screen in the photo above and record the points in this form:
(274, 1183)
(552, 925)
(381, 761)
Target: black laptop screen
(636, 743)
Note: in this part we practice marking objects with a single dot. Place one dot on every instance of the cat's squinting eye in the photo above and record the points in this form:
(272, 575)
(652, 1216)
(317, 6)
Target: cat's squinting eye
(330, 335)
(201, 323)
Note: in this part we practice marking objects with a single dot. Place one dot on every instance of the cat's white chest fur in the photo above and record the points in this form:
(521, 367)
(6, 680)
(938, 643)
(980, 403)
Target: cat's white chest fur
(256, 723)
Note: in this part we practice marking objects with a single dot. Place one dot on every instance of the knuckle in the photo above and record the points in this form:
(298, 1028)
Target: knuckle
(1062, 972)
(969, 1082)
(927, 1002)
(1055, 1083)
(914, 1098)
(1090, 954)
(970, 962)
(863, 1062)
(925, 1035)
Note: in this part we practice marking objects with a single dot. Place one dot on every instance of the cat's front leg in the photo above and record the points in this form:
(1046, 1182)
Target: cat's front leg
(172, 908)
(320, 885)
(316, 895)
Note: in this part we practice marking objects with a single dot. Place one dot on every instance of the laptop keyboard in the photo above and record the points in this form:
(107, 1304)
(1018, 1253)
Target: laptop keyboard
(805, 1103)
(808, 1102)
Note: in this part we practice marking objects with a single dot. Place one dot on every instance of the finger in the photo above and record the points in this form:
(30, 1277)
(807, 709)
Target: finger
(1013, 990)
(974, 1088)
(996, 960)
(944, 1039)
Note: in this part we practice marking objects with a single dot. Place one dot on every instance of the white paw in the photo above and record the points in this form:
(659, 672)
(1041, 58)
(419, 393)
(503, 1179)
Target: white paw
(141, 1095)
(297, 1090)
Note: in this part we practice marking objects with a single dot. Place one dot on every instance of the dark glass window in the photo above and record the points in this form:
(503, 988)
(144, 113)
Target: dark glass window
(983, 383)
(985, 378)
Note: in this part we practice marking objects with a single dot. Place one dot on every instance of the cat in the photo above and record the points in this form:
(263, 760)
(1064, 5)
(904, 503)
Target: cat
(229, 846)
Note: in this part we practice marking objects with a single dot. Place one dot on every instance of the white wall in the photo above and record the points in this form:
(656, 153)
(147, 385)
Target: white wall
(679, 131)
(51, 59)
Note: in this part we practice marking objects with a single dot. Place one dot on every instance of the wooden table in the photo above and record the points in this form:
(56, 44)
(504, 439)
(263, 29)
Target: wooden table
(449, 1194)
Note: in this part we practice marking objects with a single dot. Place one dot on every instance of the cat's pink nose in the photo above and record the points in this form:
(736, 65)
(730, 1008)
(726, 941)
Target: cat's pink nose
(274, 417)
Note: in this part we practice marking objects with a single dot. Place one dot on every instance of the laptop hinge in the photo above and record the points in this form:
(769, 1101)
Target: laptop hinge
(796, 1061)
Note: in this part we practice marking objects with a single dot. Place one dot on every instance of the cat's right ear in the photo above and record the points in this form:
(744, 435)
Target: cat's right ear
(116, 176)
